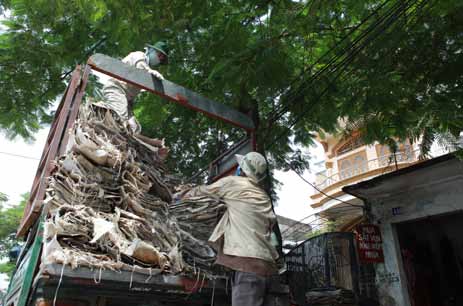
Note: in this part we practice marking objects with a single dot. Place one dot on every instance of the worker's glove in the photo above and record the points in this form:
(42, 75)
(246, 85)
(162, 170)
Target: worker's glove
(163, 153)
(156, 74)
(134, 125)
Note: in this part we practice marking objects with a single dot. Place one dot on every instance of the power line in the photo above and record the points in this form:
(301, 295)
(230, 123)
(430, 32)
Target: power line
(349, 53)
(393, 14)
(283, 108)
(300, 223)
(18, 155)
(305, 70)
(321, 191)
(299, 117)
(394, 17)
(314, 226)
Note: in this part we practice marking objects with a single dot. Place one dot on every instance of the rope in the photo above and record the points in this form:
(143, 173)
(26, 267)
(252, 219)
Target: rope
(131, 277)
(59, 284)
(202, 282)
(197, 280)
(99, 277)
(213, 294)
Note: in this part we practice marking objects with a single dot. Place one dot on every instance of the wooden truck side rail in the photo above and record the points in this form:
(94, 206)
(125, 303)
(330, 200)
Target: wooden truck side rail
(56, 143)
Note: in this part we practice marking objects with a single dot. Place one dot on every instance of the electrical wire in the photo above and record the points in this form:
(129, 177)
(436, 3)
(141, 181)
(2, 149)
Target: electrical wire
(303, 236)
(329, 196)
(299, 227)
(280, 112)
(296, 226)
(335, 57)
(331, 67)
(299, 117)
(393, 14)
(345, 62)
(322, 192)
(19, 155)
(383, 23)
(300, 222)
(318, 61)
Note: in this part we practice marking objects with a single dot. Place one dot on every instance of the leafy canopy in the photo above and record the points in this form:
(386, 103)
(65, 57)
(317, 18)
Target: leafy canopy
(10, 218)
(295, 66)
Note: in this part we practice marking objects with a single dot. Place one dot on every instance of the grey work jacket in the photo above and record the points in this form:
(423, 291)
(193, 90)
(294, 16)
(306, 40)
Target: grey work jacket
(247, 223)
(118, 95)
(138, 60)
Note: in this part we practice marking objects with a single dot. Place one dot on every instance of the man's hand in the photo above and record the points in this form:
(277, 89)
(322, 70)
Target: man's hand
(134, 125)
(156, 74)
(163, 153)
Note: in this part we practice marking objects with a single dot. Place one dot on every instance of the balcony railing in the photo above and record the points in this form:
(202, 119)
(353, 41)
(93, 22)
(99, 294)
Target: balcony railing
(385, 162)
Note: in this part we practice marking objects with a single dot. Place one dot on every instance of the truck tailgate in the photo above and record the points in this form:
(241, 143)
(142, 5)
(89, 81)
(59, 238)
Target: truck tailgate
(125, 287)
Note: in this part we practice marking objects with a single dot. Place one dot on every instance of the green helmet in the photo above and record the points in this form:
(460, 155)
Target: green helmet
(161, 47)
(151, 51)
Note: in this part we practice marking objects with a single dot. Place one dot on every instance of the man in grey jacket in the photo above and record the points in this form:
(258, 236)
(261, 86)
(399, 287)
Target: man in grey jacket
(242, 237)
(120, 96)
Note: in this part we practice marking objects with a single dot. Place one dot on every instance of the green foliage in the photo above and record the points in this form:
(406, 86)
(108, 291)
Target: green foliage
(329, 226)
(3, 198)
(257, 56)
(7, 268)
(9, 222)
(412, 80)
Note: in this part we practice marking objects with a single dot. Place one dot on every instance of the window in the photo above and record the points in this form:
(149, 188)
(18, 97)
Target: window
(353, 165)
(345, 170)
(403, 154)
(350, 145)
(360, 165)
(384, 156)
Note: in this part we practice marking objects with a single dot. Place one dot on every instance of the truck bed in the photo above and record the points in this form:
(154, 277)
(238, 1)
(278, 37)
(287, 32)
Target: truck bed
(124, 288)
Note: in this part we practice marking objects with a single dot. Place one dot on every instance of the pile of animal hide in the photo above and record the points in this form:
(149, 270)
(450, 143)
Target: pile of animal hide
(110, 204)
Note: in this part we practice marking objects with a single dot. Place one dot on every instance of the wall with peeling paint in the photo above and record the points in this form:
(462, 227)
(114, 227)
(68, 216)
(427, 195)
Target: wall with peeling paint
(431, 197)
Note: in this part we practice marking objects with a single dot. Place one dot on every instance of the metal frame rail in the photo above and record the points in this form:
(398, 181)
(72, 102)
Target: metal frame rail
(55, 145)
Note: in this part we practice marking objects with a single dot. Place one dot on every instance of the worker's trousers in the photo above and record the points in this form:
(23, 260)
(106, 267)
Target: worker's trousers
(250, 289)
(115, 99)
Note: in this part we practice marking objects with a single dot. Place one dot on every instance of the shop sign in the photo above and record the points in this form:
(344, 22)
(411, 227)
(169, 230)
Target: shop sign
(369, 243)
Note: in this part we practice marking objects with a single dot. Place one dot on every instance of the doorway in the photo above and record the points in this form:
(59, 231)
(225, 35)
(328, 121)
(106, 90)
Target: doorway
(432, 255)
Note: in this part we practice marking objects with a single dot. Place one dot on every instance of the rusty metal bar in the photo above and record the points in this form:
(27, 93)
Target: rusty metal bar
(169, 91)
(32, 209)
(74, 109)
(226, 163)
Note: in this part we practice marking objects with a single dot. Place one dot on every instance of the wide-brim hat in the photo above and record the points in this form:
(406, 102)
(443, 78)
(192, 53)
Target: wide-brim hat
(161, 47)
(253, 165)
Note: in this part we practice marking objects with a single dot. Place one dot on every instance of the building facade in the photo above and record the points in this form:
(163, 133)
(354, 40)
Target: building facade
(419, 211)
(347, 161)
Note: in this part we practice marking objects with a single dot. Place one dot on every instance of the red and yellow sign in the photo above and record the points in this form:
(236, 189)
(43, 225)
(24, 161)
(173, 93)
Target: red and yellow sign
(369, 243)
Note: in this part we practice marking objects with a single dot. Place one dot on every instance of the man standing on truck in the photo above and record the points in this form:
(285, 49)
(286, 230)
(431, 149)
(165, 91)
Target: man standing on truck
(242, 237)
(119, 96)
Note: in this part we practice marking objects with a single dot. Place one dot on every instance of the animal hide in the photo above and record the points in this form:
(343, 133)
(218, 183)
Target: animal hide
(110, 204)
